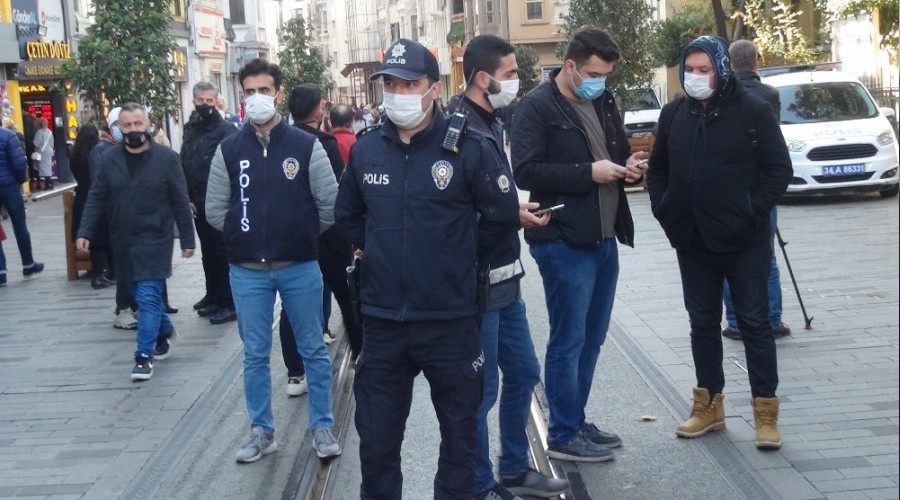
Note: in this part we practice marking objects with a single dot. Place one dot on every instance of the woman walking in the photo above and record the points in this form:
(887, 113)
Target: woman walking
(43, 152)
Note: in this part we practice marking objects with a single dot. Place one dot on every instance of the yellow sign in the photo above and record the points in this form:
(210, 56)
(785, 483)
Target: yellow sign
(72, 124)
(47, 50)
(32, 89)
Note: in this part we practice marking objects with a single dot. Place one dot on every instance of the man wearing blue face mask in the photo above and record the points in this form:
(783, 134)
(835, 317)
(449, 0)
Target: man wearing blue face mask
(423, 216)
(569, 148)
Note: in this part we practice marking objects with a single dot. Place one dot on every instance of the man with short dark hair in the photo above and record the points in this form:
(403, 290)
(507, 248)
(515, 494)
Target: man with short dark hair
(202, 136)
(569, 148)
(745, 62)
(342, 123)
(421, 216)
(492, 83)
(271, 191)
(140, 189)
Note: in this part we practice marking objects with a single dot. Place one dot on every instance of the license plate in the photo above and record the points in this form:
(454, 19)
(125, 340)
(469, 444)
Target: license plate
(639, 135)
(838, 170)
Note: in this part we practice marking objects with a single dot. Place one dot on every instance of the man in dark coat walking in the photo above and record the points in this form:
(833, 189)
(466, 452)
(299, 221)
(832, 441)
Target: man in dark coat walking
(143, 191)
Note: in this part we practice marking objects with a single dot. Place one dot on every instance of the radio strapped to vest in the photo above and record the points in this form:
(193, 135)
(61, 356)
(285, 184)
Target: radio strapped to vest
(454, 131)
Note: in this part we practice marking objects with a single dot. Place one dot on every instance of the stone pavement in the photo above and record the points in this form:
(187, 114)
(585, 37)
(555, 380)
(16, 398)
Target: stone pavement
(72, 424)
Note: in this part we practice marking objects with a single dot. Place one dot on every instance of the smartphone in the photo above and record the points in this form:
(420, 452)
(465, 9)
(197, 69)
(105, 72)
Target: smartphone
(542, 211)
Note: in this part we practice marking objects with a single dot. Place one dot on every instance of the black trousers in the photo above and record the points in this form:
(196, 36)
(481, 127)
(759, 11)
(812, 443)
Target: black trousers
(333, 265)
(449, 354)
(215, 264)
(702, 276)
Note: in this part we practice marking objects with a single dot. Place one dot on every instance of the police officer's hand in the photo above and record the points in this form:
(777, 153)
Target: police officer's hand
(193, 210)
(82, 245)
(604, 171)
(528, 220)
(187, 253)
(636, 166)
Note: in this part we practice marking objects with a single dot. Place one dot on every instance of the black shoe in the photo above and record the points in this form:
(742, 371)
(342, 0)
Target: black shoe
(533, 483)
(579, 449)
(143, 369)
(3, 278)
(223, 315)
(164, 345)
(100, 283)
(205, 301)
(734, 334)
(207, 310)
(781, 330)
(33, 269)
(598, 437)
(497, 493)
(170, 309)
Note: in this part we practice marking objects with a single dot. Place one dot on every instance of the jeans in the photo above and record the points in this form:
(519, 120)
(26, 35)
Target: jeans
(702, 275)
(448, 353)
(300, 287)
(153, 322)
(506, 342)
(215, 265)
(774, 285)
(11, 198)
(580, 287)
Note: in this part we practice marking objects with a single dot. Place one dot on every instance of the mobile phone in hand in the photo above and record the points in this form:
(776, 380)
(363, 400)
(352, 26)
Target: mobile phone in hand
(554, 208)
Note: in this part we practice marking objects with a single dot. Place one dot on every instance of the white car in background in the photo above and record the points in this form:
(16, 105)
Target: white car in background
(838, 138)
(642, 115)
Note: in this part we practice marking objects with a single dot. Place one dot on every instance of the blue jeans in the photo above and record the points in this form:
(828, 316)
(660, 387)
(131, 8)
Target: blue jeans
(506, 343)
(11, 198)
(774, 285)
(153, 322)
(580, 287)
(300, 287)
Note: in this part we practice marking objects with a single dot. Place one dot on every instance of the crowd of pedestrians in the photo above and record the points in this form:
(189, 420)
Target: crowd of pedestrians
(432, 218)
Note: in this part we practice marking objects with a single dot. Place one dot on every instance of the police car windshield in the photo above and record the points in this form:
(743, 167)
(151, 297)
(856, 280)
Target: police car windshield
(825, 102)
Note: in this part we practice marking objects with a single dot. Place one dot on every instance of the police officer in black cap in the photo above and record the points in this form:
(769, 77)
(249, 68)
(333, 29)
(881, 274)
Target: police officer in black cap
(421, 211)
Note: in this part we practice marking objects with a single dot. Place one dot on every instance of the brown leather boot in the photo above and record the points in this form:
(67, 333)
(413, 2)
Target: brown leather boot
(706, 415)
(765, 416)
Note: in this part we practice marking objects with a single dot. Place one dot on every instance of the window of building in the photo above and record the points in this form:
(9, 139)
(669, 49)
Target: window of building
(237, 12)
(176, 8)
(458, 7)
(534, 10)
(395, 32)
(489, 11)
(414, 25)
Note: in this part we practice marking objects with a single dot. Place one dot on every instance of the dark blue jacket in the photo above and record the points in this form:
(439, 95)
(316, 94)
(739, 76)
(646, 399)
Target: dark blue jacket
(423, 215)
(13, 165)
(271, 203)
(552, 158)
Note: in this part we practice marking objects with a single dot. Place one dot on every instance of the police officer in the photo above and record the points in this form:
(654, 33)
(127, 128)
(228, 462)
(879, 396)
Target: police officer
(420, 211)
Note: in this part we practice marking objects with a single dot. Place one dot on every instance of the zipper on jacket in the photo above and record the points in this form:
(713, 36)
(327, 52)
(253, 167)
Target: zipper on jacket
(403, 235)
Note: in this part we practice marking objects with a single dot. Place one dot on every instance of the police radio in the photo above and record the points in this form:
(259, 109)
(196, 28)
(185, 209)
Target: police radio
(454, 132)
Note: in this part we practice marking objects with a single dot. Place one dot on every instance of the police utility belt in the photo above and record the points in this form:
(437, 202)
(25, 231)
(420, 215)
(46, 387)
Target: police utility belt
(492, 277)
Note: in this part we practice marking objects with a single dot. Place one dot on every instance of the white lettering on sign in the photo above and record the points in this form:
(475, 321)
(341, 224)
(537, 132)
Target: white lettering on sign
(376, 179)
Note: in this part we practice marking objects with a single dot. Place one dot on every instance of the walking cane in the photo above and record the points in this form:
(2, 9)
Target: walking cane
(783, 244)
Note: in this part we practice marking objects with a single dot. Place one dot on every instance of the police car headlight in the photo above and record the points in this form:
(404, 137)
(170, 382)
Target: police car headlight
(795, 146)
(886, 137)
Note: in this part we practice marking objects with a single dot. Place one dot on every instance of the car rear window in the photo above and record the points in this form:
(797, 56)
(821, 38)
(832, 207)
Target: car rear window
(825, 102)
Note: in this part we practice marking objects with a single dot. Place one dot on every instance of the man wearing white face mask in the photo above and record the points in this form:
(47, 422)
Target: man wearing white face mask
(492, 75)
(718, 167)
(569, 148)
(423, 216)
(271, 191)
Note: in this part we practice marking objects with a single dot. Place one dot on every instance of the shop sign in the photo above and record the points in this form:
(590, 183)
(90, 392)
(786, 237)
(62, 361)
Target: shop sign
(47, 50)
(32, 89)
(36, 70)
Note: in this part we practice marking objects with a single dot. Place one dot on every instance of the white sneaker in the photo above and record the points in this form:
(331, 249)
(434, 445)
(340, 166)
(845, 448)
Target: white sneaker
(296, 386)
(125, 320)
(329, 337)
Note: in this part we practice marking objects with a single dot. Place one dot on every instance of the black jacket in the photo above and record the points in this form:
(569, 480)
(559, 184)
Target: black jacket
(142, 207)
(551, 158)
(423, 215)
(755, 86)
(502, 266)
(201, 138)
(707, 184)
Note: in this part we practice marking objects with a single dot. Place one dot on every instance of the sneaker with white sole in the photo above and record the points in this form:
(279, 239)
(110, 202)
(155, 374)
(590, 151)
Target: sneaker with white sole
(325, 443)
(296, 386)
(328, 337)
(143, 369)
(164, 344)
(125, 320)
(261, 442)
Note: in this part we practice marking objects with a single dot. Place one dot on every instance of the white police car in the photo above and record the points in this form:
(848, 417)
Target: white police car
(838, 138)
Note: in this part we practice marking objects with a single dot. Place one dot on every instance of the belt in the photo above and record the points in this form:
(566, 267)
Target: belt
(506, 272)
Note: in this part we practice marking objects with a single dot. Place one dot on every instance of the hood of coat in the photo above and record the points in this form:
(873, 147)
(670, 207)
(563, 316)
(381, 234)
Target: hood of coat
(717, 50)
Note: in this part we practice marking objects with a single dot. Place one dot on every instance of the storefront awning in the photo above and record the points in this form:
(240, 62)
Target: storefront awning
(359, 65)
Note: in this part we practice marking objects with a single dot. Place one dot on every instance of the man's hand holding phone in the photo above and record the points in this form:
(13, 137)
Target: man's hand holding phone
(637, 165)
(529, 218)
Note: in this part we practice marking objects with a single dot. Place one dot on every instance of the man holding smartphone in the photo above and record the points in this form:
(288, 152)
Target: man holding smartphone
(576, 252)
